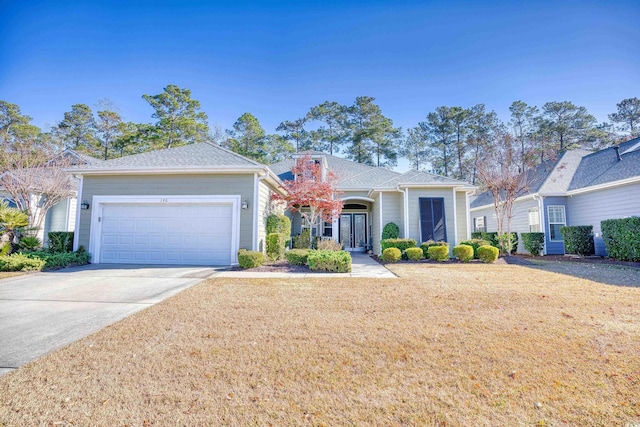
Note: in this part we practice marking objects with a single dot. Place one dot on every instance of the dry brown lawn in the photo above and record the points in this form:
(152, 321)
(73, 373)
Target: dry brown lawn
(443, 345)
(5, 274)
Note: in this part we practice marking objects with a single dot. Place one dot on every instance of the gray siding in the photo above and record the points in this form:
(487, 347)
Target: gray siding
(556, 247)
(591, 208)
(519, 220)
(461, 212)
(170, 185)
(264, 198)
(414, 211)
(392, 209)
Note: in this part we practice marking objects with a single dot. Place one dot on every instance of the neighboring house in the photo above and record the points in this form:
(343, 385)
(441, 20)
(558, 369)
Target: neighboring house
(580, 188)
(424, 206)
(62, 216)
(200, 203)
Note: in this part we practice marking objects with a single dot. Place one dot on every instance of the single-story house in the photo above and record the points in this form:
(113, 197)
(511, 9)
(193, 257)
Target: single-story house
(579, 188)
(200, 203)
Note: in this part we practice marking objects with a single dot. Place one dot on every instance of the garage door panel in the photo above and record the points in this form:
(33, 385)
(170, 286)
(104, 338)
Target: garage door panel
(166, 233)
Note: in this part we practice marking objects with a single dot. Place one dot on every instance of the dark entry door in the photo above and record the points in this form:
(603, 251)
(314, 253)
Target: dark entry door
(353, 231)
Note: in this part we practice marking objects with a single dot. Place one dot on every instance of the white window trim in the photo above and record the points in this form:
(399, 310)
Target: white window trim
(564, 214)
(529, 212)
(98, 203)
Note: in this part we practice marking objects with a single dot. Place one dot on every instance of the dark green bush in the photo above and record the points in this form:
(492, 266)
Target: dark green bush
(391, 255)
(334, 261)
(274, 224)
(302, 240)
(476, 234)
(286, 229)
(250, 259)
(30, 243)
(401, 244)
(578, 239)
(439, 253)
(475, 244)
(414, 254)
(298, 256)
(533, 242)
(622, 238)
(426, 245)
(60, 241)
(463, 252)
(390, 231)
(20, 262)
(488, 253)
(491, 237)
(275, 246)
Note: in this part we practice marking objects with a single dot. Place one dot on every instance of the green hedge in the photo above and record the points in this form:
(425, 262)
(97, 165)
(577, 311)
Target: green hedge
(286, 229)
(60, 241)
(463, 252)
(39, 260)
(414, 254)
(475, 244)
(250, 259)
(390, 231)
(488, 253)
(275, 246)
(622, 238)
(533, 242)
(439, 252)
(298, 256)
(476, 234)
(426, 245)
(578, 239)
(402, 244)
(302, 240)
(391, 255)
(274, 224)
(334, 261)
(514, 241)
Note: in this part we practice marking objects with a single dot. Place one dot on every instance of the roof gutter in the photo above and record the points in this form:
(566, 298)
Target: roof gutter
(166, 171)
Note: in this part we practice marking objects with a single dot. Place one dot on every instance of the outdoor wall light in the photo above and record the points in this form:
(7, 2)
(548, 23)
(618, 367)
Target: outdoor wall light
(84, 205)
(245, 204)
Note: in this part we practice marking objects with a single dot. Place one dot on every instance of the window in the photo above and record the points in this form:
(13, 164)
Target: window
(557, 219)
(328, 229)
(432, 219)
(534, 220)
(480, 224)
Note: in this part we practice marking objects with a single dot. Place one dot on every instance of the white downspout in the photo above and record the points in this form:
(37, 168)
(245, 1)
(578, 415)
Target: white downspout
(455, 218)
(256, 201)
(406, 213)
(76, 231)
(543, 226)
(468, 208)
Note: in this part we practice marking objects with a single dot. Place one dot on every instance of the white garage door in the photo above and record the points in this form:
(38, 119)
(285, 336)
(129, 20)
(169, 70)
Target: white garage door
(194, 234)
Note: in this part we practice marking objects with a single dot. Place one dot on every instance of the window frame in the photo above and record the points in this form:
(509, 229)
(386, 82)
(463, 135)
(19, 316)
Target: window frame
(536, 225)
(564, 214)
(482, 229)
(444, 217)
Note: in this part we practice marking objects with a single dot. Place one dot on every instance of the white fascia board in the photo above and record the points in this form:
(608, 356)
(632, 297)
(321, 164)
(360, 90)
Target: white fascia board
(604, 186)
(167, 171)
(518, 199)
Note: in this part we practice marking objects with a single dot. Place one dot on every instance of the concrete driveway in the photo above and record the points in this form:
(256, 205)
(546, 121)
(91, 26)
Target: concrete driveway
(45, 311)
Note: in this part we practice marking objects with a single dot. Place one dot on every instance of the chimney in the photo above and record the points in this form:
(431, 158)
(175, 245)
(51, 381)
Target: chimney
(617, 149)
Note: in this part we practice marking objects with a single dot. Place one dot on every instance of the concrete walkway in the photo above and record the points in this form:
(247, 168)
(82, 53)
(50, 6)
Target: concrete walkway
(362, 265)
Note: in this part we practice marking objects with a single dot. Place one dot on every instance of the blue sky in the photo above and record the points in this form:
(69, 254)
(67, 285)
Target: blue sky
(277, 59)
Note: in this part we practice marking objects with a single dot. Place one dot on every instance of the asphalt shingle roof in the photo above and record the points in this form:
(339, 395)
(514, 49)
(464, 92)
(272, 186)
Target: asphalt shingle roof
(200, 155)
(603, 167)
(353, 175)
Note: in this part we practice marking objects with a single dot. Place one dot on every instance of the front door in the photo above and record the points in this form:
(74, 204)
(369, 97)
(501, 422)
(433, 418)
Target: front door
(353, 231)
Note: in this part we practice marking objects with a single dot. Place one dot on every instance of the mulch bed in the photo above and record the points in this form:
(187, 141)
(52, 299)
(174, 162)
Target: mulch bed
(277, 267)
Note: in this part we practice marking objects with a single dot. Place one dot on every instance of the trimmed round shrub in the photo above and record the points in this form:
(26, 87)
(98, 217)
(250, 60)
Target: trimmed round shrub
(414, 254)
(475, 244)
(250, 259)
(439, 253)
(488, 254)
(390, 231)
(463, 252)
(298, 256)
(426, 245)
(578, 239)
(334, 261)
(402, 244)
(533, 242)
(391, 255)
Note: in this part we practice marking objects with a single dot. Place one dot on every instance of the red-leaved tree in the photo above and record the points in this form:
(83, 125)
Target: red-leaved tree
(312, 192)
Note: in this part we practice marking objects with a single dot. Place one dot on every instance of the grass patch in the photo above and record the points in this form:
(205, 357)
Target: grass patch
(442, 345)
(6, 274)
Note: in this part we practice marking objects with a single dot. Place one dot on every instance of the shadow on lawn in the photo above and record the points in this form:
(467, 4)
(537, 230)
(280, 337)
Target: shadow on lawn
(608, 274)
